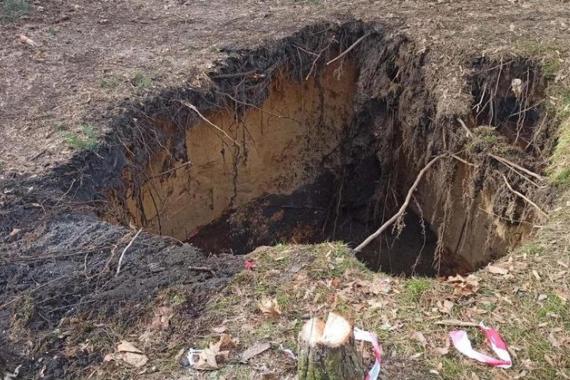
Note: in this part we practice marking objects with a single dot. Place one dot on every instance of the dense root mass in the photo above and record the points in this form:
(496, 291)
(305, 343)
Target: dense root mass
(306, 148)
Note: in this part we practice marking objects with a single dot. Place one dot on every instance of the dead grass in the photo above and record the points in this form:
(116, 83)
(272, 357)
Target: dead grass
(313, 280)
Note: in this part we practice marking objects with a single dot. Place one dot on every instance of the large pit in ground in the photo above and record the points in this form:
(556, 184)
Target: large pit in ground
(303, 151)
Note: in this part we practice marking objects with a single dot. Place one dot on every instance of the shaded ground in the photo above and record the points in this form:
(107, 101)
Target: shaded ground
(93, 59)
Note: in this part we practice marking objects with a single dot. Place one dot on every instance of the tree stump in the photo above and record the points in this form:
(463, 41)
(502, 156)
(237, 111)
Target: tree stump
(327, 351)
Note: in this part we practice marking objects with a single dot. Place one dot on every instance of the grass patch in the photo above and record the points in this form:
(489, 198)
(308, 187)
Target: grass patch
(548, 54)
(553, 305)
(110, 83)
(533, 249)
(141, 81)
(559, 171)
(14, 9)
(84, 140)
(451, 368)
(415, 288)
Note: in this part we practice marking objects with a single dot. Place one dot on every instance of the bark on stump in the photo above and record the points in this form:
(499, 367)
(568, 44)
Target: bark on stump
(327, 351)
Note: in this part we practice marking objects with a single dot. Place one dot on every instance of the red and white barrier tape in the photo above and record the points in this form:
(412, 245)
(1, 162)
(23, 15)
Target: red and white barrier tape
(462, 343)
(369, 337)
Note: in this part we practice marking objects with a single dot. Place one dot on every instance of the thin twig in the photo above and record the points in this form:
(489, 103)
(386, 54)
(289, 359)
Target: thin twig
(522, 195)
(125, 250)
(203, 269)
(507, 162)
(313, 65)
(170, 170)
(462, 160)
(349, 48)
(257, 108)
(404, 206)
(235, 75)
(455, 322)
(193, 108)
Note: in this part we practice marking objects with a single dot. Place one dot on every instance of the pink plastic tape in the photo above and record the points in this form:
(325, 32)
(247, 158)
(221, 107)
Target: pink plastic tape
(462, 343)
(369, 337)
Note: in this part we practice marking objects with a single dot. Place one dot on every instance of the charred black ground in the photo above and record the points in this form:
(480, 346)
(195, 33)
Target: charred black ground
(294, 146)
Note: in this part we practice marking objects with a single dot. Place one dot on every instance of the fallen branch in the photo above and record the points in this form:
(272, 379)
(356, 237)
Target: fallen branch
(193, 108)
(404, 206)
(455, 322)
(125, 251)
(349, 48)
(522, 196)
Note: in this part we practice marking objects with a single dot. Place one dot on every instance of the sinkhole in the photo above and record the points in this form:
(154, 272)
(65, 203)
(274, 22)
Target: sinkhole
(305, 150)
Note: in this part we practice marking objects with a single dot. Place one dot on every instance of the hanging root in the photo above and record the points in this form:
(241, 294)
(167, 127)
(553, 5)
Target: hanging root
(521, 195)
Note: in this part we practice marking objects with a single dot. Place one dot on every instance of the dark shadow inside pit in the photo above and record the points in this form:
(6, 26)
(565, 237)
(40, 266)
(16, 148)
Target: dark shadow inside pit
(331, 209)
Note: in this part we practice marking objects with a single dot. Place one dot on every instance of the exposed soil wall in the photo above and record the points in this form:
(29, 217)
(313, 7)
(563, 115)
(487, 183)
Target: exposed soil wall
(343, 143)
(273, 149)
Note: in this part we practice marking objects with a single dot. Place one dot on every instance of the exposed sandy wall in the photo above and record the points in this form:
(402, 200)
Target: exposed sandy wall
(473, 230)
(284, 144)
(277, 154)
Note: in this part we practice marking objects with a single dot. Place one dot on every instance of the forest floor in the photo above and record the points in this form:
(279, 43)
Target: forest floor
(68, 68)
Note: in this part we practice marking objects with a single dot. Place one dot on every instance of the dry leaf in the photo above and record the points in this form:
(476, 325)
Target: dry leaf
(269, 306)
(497, 270)
(219, 329)
(206, 360)
(374, 304)
(210, 357)
(254, 350)
(464, 286)
(443, 350)
(161, 319)
(553, 341)
(420, 338)
(226, 342)
(445, 307)
(126, 346)
(136, 360)
(128, 353)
